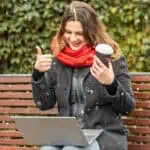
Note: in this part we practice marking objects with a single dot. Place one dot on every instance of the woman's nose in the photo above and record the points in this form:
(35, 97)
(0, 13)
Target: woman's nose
(73, 37)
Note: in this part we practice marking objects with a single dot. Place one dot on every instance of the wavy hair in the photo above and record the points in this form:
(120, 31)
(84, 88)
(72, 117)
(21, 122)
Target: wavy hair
(94, 30)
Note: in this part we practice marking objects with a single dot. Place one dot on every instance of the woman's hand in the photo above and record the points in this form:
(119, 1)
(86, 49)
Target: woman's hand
(102, 73)
(43, 62)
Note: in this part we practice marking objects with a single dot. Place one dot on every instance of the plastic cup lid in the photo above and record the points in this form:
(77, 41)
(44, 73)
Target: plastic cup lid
(104, 49)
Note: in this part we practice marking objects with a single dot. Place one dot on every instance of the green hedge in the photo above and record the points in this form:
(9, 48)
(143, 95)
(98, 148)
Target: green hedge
(27, 23)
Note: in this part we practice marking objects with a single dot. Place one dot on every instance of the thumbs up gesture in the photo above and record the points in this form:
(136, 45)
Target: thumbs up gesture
(43, 61)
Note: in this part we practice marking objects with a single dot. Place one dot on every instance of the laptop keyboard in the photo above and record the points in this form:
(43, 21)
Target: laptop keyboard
(90, 132)
(89, 137)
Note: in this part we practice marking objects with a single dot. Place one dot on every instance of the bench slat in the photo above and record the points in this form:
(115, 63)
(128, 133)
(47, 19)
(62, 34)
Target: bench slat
(18, 148)
(10, 133)
(143, 96)
(30, 102)
(139, 130)
(138, 122)
(140, 113)
(5, 118)
(18, 103)
(131, 147)
(13, 141)
(15, 79)
(141, 87)
(8, 126)
(23, 87)
(143, 104)
(28, 94)
(18, 95)
(15, 87)
(26, 111)
(16, 99)
(139, 139)
(140, 78)
(139, 146)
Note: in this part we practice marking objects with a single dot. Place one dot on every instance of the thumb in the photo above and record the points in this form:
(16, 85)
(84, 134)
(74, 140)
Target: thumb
(110, 64)
(38, 50)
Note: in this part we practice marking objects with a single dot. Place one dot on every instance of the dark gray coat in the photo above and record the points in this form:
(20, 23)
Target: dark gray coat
(102, 109)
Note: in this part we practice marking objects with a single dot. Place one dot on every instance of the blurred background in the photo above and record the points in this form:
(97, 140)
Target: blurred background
(27, 23)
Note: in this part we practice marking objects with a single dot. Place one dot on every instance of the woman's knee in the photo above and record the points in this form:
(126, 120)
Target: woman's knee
(50, 148)
(71, 148)
(93, 146)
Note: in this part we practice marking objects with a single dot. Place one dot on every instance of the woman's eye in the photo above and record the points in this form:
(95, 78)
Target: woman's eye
(68, 32)
(76, 33)
(80, 33)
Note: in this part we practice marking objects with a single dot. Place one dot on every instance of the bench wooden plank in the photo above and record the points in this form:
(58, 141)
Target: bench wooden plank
(139, 147)
(15, 79)
(137, 122)
(11, 133)
(16, 99)
(140, 77)
(28, 94)
(139, 139)
(142, 96)
(17, 148)
(27, 110)
(4, 118)
(13, 141)
(7, 117)
(141, 87)
(15, 87)
(7, 126)
(140, 113)
(139, 130)
(143, 104)
(19, 95)
(23, 87)
(18, 103)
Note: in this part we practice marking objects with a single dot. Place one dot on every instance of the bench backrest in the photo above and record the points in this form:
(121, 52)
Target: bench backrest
(16, 99)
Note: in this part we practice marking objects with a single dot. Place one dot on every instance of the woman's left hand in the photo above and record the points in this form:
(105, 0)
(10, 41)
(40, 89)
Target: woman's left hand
(102, 73)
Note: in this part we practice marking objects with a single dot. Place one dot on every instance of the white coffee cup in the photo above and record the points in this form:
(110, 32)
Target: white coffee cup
(104, 53)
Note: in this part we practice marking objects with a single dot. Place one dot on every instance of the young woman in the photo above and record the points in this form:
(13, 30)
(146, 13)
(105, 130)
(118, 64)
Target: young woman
(75, 78)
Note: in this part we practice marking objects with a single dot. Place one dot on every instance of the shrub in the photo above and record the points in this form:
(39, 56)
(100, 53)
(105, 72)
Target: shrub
(25, 24)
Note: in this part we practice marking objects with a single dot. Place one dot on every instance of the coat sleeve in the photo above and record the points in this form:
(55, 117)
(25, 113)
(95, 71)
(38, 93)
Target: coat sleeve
(43, 90)
(123, 100)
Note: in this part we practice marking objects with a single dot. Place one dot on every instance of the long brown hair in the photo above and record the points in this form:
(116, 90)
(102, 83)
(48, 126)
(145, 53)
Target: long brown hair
(93, 29)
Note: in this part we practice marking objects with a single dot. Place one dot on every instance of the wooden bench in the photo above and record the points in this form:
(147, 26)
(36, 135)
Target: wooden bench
(16, 99)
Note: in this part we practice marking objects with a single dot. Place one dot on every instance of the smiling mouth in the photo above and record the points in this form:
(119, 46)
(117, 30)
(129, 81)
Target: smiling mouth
(75, 44)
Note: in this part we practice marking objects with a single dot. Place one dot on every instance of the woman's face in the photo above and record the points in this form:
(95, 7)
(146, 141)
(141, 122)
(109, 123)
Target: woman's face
(73, 35)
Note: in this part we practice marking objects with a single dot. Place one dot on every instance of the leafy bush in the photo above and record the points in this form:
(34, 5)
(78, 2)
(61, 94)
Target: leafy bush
(25, 24)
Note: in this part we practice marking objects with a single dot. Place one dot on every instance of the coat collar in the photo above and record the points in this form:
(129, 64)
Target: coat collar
(84, 72)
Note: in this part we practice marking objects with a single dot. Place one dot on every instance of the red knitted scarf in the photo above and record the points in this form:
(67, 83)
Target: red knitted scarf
(80, 58)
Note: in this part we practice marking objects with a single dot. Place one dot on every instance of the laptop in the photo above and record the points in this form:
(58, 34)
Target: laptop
(43, 130)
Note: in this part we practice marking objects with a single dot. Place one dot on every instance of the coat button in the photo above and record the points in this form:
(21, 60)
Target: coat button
(89, 110)
(38, 103)
(91, 91)
(96, 107)
(47, 94)
(82, 112)
(88, 90)
(122, 94)
(54, 63)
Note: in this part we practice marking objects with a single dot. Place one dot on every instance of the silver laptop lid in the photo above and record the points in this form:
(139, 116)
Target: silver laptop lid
(41, 130)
